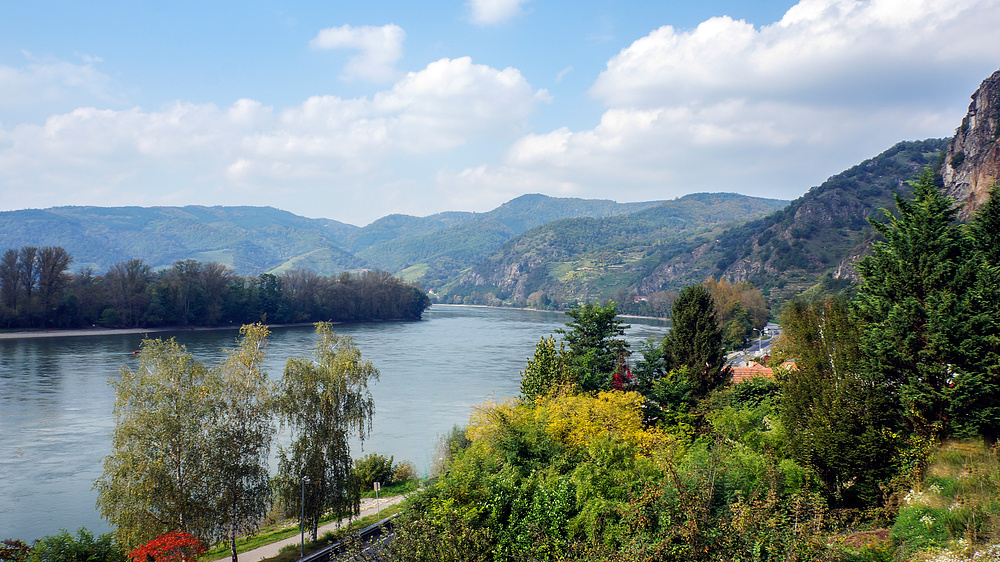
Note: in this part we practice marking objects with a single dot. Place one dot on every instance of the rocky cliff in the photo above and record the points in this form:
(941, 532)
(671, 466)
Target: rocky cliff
(972, 161)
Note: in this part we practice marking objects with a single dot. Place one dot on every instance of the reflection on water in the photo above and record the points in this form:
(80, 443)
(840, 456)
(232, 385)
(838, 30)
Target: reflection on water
(56, 405)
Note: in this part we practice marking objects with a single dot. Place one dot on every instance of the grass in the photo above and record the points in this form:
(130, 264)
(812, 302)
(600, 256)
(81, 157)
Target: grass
(291, 552)
(285, 529)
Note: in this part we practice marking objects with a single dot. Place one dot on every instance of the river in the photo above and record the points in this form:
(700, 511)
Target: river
(56, 404)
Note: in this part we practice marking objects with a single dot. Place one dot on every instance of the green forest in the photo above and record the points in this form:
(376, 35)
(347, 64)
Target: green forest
(878, 441)
(38, 292)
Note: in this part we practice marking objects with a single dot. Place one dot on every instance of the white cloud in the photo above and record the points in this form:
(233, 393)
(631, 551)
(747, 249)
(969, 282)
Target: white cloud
(771, 110)
(489, 12)
(43, 81)
(312, 158)
(380, 49)
(844, 51)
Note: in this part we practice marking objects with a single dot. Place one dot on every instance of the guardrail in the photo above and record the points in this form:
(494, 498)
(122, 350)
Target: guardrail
(375, 532)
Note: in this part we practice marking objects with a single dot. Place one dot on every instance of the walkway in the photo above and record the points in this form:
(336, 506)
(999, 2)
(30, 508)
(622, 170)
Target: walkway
(368, 507)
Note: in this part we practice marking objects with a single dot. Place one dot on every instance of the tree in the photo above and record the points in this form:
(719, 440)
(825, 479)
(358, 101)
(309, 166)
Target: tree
(916, 303)
(157, 477)
(546, 370)
(325, 401)
(27, 268)
(53, 261)
(241, 433)
(10, 280)
(126, 284)
(695, 341)
(838, 417)
(975, 396)
(596, 341)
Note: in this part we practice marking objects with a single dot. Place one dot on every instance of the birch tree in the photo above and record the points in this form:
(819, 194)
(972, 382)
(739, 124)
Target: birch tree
(325, 401)
(241, 437)
(157, 477)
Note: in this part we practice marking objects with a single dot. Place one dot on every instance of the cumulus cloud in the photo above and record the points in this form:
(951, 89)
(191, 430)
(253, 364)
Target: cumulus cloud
(380, 49)
(489, 12)
(769, 110)
(202, 153)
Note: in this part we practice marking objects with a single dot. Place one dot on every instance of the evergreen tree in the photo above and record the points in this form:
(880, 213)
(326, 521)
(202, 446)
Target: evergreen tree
(546, 370)
(834, 413)
(975, 396)
(915, 303)
(596, 342)
(695, 341)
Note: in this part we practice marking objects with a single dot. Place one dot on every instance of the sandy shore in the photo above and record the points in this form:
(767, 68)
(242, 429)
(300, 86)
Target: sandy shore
(115, 331)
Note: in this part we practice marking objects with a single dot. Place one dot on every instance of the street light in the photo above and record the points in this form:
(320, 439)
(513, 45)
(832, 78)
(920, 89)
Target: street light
(302, 521)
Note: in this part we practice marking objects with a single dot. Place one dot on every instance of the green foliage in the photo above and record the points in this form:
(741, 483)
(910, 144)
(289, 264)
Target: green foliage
(596, 341)
(325, 401)
(83, 547)
(929, 321)
(158, 476)
(372, 468)
(920, 528)
(546, 371)
(839, 417)
(240, 437)
(695, 341)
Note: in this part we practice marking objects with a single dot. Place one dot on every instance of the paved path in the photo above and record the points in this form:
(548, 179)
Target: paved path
(368, 507)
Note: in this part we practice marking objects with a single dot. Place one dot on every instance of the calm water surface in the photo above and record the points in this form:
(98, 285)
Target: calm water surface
(56, 405)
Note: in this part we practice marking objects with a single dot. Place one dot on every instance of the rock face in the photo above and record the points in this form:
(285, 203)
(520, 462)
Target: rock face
(972, 161)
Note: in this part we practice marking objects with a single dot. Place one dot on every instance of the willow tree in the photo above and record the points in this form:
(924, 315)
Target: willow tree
(157, 477)
(325, 401)
(241, 434)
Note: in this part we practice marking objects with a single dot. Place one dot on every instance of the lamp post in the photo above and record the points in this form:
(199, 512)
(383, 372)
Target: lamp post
(302, 521)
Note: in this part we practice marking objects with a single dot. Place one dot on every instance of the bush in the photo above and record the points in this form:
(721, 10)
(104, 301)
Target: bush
(373, 468)
(64, 547)
(404, 472)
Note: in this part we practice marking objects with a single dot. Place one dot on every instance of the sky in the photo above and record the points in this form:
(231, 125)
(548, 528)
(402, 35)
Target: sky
(355, 110)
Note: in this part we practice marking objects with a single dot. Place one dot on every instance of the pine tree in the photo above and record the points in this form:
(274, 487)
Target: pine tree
(695, 341)
(596, 340)
(916, 303)
(837, 417)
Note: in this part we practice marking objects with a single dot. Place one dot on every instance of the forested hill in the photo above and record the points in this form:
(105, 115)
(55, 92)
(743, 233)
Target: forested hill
(814, 240)
(254, 240)
(592, 259)
(251, 240)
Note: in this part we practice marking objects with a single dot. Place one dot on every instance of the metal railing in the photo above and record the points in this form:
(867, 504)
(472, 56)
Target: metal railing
(375, 533)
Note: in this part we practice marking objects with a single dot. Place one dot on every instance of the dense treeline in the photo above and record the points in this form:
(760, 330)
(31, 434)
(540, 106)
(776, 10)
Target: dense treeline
(878, 444)
(37, 291)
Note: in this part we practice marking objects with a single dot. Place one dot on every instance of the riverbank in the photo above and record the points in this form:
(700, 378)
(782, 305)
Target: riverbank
(95, 331)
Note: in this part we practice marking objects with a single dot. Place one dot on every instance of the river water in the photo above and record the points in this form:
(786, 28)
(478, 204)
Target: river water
(56, 404)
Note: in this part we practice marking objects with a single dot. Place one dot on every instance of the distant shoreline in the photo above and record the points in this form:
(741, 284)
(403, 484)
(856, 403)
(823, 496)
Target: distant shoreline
(544, 310)
(86, 332)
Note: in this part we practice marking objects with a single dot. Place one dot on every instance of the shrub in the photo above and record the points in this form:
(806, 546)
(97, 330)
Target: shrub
(404, 472)
(372, 468)
(64, 547)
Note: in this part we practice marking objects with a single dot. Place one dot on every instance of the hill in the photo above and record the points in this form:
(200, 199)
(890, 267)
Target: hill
(592, 258)
(251, 240)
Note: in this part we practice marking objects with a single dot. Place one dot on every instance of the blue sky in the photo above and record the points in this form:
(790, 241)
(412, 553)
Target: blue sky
(352, 111)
